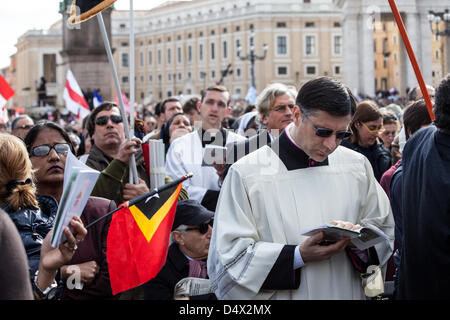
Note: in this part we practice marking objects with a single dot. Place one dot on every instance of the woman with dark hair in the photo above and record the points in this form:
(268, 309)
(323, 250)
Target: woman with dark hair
(178, 125)
(48, 145)
(33, 217)
(366, 125)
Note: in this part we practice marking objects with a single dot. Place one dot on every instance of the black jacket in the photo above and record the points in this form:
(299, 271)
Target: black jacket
(379, 157)
(176, 268)
(33, 225)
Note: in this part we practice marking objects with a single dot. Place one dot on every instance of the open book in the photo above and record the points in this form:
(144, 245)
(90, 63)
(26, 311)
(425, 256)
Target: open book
(363, 239)
(79, 180)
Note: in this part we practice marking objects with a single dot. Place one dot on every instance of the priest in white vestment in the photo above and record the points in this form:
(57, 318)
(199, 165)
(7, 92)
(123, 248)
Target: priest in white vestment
(303, 180)
(187, 153)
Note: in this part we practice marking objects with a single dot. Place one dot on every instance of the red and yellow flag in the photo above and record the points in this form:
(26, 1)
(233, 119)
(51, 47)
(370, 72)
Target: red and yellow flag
(138, 239)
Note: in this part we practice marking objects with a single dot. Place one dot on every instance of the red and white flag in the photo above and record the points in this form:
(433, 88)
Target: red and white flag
(6, 92)
(126, 103)
(75, 101)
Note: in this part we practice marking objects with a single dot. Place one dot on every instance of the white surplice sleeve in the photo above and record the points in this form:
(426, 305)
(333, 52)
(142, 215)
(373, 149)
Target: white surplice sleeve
(238, 262)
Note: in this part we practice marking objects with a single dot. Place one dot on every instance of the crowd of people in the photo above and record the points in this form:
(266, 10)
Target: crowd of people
(262, 173)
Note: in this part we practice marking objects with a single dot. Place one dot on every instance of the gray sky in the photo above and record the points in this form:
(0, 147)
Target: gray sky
(18, 16)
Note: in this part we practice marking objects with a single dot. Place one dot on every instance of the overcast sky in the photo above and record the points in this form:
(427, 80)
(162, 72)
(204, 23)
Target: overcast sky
(18, 16)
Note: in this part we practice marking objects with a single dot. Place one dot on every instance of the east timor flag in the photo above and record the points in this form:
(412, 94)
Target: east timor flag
(138, 239)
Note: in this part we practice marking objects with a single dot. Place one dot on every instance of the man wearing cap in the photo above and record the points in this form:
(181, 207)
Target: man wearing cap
(191, 234)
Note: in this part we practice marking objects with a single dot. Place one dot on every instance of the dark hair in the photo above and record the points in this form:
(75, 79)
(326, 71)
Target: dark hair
(163, 104)
(191, 104)
(158, 109)
(415, 116)
(366, 111)
(91, 121)
(14, 122)
(442, 106)
(328, 95)
(216, 88)
(37, 128)
(165, 134)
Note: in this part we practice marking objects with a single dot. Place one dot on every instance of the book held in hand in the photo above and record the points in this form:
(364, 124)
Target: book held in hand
(363, 238)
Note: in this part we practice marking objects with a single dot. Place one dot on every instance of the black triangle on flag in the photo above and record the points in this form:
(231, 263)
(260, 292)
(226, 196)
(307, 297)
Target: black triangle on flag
(83, 10)
(152, 204)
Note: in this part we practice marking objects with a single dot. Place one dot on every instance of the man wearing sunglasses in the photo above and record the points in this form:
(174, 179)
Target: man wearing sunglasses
(21, 125)
(303, 180)
(111, 153)
(191, 234)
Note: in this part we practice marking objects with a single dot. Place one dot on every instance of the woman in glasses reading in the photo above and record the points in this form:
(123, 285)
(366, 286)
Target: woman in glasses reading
(48, 145)
(367, 125)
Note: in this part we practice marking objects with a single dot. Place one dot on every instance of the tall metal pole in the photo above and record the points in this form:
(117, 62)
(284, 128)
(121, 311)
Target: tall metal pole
(133, 177)
(101, 24)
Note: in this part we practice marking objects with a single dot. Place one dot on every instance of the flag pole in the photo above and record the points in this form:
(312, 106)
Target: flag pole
(141, 197)
(133, 180)
(412, 57)
(101, 24)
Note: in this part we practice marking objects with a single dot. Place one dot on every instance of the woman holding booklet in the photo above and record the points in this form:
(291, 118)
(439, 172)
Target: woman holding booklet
(86, 277)
(33, 217)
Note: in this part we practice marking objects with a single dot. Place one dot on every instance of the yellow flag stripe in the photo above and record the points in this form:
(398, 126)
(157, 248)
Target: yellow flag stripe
(149, 226)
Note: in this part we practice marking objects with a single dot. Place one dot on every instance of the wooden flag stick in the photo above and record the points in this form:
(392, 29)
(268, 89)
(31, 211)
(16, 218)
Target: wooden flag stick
(412, 57)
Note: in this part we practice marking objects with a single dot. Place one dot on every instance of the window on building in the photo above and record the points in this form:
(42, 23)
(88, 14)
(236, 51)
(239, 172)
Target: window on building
(141, 59)
(179, 76)
(179, 54)
(189, 53)
(337, 45)
(213, 74)
(200, 52)
(281, 24)
(150, 57)
(225, 49)
(125, 60)
(238, 45)
(159, 56)
(282, 71)
(311, 70)
(310, 24)
(50, 67)
(337, 24)
(238, 72)
(310, 45)
(169, 56)
(281, 45)
(125, 79)
(213, 51)
(337, 70)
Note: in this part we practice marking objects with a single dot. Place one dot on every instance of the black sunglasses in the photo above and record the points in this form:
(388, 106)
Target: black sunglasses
(101, 121)
(44, 150)
(325, 132)
(202, 228)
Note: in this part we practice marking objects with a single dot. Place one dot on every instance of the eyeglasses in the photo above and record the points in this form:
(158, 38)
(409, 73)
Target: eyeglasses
(44, 150)
(325, 132)
(373, 131)
(389, 117)
(202, 228)
(101, 121)
(283, 107)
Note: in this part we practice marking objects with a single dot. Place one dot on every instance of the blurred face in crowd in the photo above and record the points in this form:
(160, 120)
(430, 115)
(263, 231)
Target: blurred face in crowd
(180, 126)
(213, 109)
(49, 167)
(280, 114)
(22, 127)
(388, 135)
(431, 93)
(149, 123)
(171, 108)
(304, 132)
(368, 132)
(193, 243)
(109, 134)
(193, 115)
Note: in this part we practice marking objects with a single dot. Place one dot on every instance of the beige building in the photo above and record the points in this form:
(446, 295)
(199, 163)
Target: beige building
(183, 47)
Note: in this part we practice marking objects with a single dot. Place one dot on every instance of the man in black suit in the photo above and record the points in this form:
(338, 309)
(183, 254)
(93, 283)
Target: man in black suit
(191, 234)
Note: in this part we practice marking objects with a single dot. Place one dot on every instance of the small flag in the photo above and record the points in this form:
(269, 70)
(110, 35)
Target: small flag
(126, 103)
(97, 100)
(75, 101)
(6, 92)
(83, 10)
(138, 239)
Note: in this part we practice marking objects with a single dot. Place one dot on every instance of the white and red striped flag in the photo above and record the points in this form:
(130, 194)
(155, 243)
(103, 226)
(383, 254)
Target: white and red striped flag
(75, 101)
(6, 92)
